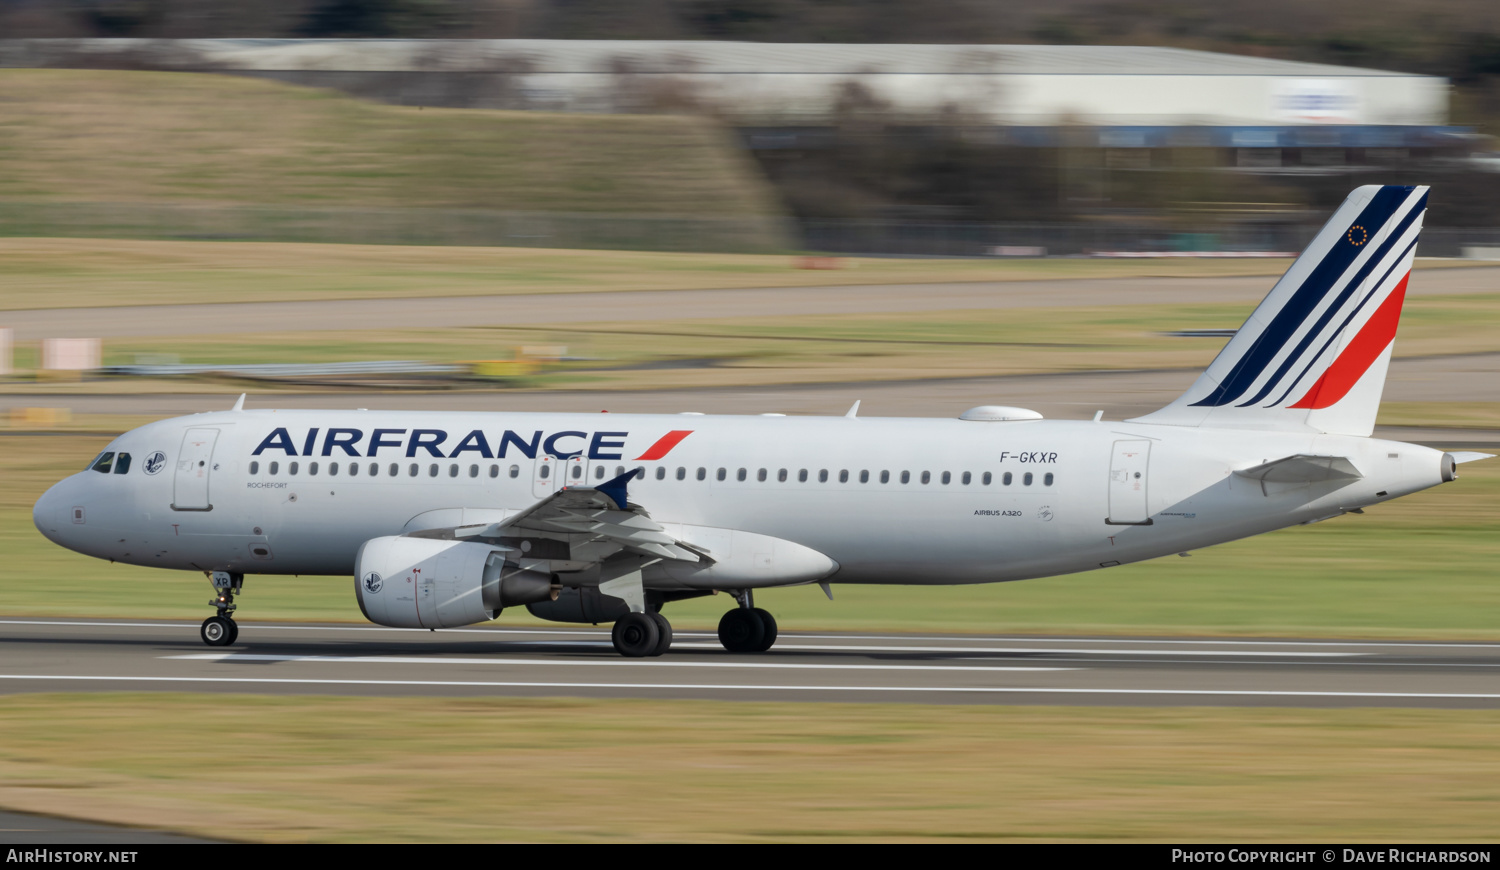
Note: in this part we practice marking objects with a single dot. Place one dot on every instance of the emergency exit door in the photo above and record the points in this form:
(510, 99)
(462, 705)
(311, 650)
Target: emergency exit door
(552, 473)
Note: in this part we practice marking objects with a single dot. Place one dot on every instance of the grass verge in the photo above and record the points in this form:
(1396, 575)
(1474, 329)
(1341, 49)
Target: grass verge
(443, 769)
(72, 273)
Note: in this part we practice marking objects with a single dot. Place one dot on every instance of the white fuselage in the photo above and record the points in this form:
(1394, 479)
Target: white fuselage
(890, 500)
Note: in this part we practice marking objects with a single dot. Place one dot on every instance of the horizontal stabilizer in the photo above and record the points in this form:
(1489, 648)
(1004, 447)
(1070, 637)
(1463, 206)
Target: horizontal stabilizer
(1302, 468)
(1463, 456)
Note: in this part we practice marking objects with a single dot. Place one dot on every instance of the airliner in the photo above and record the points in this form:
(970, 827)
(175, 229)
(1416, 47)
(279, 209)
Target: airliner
(446, 519)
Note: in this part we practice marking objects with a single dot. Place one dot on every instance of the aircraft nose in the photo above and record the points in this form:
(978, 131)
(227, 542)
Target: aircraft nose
(52, 512)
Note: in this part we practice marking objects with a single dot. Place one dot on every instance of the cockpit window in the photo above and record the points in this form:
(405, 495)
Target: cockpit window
(104, 461)
(122, 463)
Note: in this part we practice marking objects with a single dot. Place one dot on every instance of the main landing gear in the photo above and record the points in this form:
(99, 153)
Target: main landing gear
(221, 630)
(747, 628)
(643, 633)
(637, 635)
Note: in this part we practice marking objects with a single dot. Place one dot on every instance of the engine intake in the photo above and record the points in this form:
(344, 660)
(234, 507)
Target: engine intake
(426, 583)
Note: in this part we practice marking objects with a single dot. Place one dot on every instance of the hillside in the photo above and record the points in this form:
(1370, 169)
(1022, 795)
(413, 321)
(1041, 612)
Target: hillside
(87, 152)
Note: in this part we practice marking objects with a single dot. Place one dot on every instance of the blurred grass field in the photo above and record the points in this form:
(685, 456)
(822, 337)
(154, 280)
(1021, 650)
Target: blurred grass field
(811, 349)
(73, 273)
(508, 769)
(1422, 566)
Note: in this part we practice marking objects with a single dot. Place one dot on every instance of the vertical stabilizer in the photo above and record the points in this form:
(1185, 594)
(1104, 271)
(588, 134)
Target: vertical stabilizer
(1313, 356)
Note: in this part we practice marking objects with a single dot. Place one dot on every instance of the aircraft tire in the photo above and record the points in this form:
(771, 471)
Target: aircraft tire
(769, 621)
(742, 630)
(217, 631)
(234, 631)
(664, 630)
(635, 635)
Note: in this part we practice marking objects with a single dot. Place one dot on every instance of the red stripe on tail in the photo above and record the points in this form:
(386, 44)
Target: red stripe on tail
(1375, 337)
(664, 446)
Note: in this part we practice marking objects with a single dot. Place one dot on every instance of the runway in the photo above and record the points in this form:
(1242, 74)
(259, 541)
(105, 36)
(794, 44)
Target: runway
(78, 655)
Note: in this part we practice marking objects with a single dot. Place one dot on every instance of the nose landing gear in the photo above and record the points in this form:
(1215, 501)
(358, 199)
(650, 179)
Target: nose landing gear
(221, 630)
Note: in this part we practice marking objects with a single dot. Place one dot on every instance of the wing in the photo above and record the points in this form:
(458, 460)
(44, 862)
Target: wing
(593, 522)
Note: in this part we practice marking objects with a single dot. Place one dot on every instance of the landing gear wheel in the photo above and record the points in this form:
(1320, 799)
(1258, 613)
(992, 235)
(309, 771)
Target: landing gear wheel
(234, 632)
(769, 621)
(217, 631)
(664, 631)
(742, 630)
(635, 635)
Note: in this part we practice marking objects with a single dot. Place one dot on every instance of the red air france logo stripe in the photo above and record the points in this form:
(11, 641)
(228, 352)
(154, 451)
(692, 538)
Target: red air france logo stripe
(664, 446)
(1351, 365)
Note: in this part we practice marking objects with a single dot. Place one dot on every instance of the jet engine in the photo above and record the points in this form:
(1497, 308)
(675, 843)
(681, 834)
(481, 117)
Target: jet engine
(428, 583)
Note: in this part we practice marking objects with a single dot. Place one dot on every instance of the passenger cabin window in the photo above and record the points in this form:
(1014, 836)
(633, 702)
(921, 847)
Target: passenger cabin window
(885, 477)
(473, 471)
(864, 476)
(432, 470)
(254, 468)
(374, 469)
(105, 460)
(822, 475)
(274, 467)
(1006, 479)
(761, 475)
(661, 472)
(702, 473)
(927, 477)
(515, 471)
(966, 478)
(844, 475)
(986, 479)
(598, 472)
(494, 471)
(722, 473)
(906, 477)
(122, 463)
(947, 478)
(291, 468)
(740, 475)
(353, 469)
(395, 469)
(312, 468)
(1027, 479)
(802, 476)
(681, 473)
(578, 472)
(453, 469)
(1047, 480)
(544, 472)
(781, 475)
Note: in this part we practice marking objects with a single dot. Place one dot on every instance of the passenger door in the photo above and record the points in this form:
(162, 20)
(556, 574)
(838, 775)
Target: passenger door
(194, 462)
(1127, 484)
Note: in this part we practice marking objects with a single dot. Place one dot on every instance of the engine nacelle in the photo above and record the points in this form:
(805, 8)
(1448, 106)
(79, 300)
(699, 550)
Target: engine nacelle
(427, 583)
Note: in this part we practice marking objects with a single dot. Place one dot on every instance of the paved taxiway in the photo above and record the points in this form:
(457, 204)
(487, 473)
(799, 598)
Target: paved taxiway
(49, 655)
